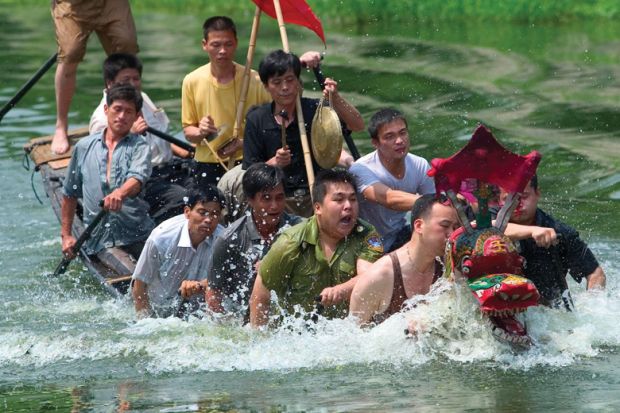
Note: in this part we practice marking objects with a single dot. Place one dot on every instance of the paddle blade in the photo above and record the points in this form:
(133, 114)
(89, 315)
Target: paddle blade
(294, 12)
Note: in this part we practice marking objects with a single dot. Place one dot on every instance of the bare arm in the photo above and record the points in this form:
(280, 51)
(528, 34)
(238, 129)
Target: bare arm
(597, 280)
(213, 298)
(114, 201)
(67, 212)
(371, 294)
(544, 237)
(196, 133)
(141, 298)
(346, 111)
(390, 198)
(259, 304)
(180, 152)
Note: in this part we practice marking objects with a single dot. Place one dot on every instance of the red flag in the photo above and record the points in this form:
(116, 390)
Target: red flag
(294, 12)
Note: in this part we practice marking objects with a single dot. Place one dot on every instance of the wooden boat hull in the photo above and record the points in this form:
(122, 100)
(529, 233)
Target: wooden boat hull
(53, 169)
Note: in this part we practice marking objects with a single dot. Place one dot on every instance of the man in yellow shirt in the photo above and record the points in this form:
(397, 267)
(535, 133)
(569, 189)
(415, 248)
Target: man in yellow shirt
(210, 96)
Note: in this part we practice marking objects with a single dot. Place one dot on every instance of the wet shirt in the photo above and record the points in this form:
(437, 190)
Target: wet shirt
(547, 267)
(263, 137)
(297, 270)
(369, 171)
(86, 179)
(235, 253)
(168, 258)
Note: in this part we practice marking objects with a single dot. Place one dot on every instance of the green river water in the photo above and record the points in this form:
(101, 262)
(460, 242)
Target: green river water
(67, 346)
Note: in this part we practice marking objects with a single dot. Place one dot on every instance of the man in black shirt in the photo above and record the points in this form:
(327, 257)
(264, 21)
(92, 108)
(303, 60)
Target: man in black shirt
(280, 73)
(551, 250)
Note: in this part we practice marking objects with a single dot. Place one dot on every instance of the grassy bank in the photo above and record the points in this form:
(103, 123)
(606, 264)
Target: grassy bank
(366, 11)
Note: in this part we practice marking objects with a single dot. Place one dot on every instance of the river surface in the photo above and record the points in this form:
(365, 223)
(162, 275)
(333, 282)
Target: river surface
(65, 345)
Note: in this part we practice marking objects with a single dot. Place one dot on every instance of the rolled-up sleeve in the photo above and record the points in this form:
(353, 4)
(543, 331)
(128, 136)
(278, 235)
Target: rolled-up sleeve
(147, 268)
(140, 166)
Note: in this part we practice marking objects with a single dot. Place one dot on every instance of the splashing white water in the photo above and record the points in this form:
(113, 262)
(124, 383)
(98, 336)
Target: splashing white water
(90, 330)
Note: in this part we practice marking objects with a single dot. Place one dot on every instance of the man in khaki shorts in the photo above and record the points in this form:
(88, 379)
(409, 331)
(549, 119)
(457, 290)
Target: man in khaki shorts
(74, 21)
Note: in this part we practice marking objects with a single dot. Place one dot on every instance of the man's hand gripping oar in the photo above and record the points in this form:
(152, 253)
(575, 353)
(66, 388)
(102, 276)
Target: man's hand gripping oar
(68, 257)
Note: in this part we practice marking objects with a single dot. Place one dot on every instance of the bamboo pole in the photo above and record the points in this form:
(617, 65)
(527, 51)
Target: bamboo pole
(300, 117)
(245, 85)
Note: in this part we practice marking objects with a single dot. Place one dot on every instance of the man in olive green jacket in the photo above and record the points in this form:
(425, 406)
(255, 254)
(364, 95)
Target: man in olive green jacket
(321, 256)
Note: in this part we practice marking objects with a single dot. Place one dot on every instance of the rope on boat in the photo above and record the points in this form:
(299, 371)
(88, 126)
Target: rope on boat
(34, 190)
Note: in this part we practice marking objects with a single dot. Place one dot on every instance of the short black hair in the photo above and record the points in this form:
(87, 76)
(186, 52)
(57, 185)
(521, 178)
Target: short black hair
(261, 177)
(383, 117)
(218, 24)
(116, 62)
(331, 176)
(209, 193)
(423, 205)
(277, 63)
(124, 92)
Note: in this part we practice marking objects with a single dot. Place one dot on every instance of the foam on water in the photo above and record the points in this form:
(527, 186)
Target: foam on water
(86, 329)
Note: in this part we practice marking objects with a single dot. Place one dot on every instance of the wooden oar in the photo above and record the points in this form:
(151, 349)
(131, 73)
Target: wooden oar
(62, 267)
(320, 78)
(169, 138)
(21, 92)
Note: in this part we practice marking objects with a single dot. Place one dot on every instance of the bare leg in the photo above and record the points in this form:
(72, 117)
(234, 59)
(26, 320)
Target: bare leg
(66, 74)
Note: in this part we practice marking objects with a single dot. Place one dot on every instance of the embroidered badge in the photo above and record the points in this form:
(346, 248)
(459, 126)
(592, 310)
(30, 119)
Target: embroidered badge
(374, 243)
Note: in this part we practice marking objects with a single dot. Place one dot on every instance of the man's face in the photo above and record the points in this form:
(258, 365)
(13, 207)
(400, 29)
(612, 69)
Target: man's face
(435, 229)
(203, 218)
(337, 214)
(221, 46)
(128, 76)
(525, 212)
(284, 88)
(121, 115)
(393, 140)
(268, 205)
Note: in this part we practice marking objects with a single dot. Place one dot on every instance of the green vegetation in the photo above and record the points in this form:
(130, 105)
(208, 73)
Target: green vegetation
(361, 12)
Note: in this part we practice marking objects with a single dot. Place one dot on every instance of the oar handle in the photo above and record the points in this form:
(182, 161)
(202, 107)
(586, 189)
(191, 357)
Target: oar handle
(320, 78)
(62, 266)
(169, 138)
(26, 87)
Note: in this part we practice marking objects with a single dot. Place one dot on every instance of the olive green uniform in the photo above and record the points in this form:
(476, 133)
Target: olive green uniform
(297, 270)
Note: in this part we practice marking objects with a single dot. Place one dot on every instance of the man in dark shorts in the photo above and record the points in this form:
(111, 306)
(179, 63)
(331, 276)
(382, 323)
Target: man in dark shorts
(411, 269)
(74, 22)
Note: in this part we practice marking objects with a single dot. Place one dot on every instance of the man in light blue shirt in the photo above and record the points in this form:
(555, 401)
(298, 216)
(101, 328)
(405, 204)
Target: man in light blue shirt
(112, 166)
(390, 178)
(177, 255)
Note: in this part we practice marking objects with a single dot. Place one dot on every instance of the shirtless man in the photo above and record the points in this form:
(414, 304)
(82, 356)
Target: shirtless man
(409, 270)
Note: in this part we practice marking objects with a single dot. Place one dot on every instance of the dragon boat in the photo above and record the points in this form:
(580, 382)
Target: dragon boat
(480, 254)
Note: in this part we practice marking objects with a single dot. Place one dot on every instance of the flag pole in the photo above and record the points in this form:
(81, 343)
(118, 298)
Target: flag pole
(246, 78)
(300, 117)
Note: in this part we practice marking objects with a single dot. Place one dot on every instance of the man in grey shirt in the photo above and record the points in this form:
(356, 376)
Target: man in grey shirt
(111, 165)
(390, 178)
(246, 241)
